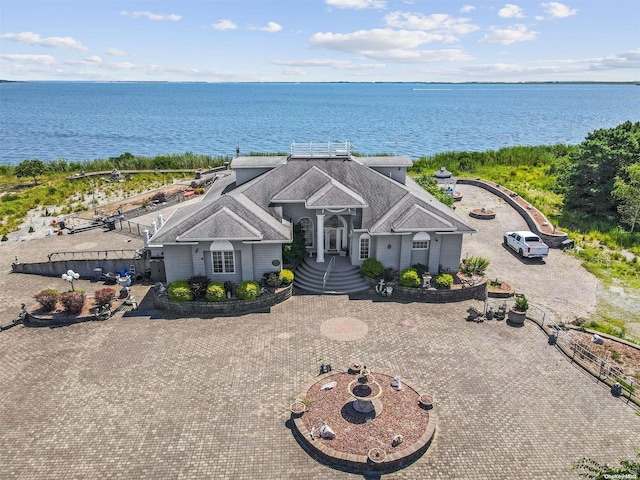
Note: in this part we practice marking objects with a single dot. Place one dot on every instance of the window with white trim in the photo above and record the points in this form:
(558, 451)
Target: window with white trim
(307, 227)
(365, 243)
(223, 262)
(421, 241)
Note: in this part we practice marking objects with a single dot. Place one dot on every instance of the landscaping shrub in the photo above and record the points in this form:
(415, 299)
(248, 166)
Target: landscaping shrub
(48, 299)
(159, 197)
(229, 288)
(73, 301)
(215, 292)
(443, 281)
(180, 291)
(248, 290)
(273, 279)
(104, 296)
(286, 276)
(474, 266)
(522, 304)
(389, 274)
(198, 285)
(371, 268)
(421, 269)
(410, 278)
(293, 253)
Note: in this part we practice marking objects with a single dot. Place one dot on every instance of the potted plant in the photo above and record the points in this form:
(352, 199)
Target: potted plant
(518, 312)
(344, 251)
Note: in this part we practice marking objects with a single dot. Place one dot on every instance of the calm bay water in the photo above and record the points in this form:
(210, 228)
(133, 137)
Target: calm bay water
(84, 121)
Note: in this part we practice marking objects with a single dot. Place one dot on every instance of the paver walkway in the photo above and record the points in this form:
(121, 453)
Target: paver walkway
(138, 397)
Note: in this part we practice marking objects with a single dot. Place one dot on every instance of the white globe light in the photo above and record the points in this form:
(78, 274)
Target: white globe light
(64, 276)
(70, 272)
(76, 276)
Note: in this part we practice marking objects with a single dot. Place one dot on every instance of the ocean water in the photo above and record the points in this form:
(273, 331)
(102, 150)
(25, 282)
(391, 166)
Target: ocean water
(85, 121)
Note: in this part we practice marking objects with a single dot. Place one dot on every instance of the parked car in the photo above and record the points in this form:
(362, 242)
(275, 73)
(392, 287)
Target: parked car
(527, 244)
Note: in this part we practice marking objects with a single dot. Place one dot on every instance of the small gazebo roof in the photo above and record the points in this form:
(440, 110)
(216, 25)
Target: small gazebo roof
(443, 173)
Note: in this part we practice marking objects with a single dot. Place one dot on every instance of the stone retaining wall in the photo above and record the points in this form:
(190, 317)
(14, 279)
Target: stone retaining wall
(433, 295)
(554, 240)
(234, 306)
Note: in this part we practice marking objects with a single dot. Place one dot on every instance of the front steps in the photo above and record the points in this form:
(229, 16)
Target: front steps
(343, 279)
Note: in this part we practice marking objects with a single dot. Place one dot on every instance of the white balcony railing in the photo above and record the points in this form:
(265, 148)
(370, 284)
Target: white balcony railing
(321, 150)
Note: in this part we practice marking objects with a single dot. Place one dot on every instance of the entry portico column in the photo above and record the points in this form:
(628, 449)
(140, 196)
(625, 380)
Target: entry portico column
(320, 237)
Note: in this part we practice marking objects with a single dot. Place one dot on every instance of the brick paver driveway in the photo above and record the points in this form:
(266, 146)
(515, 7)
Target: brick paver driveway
(139, 397)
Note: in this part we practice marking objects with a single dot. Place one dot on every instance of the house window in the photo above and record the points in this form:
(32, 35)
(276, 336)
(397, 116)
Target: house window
(307, 227)
(421, 241)
(364, 247)
(223, 262)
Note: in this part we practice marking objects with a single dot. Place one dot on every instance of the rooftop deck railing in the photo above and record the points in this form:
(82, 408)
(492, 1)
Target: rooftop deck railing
(323, 149)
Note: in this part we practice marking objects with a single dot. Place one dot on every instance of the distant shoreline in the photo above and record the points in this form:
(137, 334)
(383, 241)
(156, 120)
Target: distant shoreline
(577, 82)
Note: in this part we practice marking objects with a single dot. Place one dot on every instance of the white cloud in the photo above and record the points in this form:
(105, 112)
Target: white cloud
(31, 38)
(357, 4)
(558, 10)
(438, 22)
(335, 64)
(271, 27)
(467, 8)
(624, 60)
(511, 11)
(115, 52)
(509, 35)
(224, 25)
(388, 44)
(39, 59)
(152, 16)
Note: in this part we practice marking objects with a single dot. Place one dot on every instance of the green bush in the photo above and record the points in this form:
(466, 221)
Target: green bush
(371, 268)
(180, 291)
(522, 304)
(73, 301)
(286, 276)
(215, 292)
(104, 296)
(443, 281)
(410, 278)
(198, 285)
(48, 299)
(474, 266)
(248, 290)
(273, 279)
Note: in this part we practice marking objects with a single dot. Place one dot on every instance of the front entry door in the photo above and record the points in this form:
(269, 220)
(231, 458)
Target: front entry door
(332, 240)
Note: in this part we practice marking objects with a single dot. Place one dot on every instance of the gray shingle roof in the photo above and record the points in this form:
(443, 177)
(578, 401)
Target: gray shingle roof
(388, 205)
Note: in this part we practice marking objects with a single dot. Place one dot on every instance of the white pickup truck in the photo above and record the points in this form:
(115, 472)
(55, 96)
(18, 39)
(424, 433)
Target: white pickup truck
(527, 244)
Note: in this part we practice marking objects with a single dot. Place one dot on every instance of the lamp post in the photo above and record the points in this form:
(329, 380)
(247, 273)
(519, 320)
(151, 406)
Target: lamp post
(70, 277)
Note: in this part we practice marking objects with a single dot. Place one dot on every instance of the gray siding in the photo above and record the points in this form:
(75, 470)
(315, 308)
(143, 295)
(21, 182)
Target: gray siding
(450, 252)
(399, 174)
(389, 257)
(263, 255)
(420, 256)
(405, 252)
(243, 175)
(434, 253)
(197, 259)
(178, 262)
(295, 211)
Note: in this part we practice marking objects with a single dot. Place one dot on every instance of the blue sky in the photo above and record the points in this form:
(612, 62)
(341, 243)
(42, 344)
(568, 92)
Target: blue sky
(320, 40)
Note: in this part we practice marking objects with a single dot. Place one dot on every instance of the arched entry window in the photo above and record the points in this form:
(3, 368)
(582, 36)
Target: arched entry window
(307, 227)
(222, 257)
(365, 244)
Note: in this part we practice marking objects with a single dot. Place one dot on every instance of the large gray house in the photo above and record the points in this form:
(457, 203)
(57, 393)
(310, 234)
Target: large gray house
(361, 207)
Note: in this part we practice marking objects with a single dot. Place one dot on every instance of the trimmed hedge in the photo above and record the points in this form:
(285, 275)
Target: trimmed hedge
(371, 268)
(443, 281)
(180, 291)
(410, 278)
(286, 276)
(248, 290)
(73, 302)
(215, 292)
(48, 299)
(104, 296)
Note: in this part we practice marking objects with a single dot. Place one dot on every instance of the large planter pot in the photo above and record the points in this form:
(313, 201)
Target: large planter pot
(516, 318)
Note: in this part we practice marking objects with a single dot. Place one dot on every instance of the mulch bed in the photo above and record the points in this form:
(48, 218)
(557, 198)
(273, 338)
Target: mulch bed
(401, 415)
